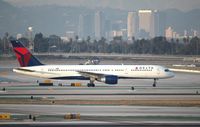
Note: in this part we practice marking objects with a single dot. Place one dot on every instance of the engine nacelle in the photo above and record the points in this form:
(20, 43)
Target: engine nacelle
(109, 79)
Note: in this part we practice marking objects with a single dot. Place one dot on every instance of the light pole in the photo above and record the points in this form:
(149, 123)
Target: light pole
(31, 44)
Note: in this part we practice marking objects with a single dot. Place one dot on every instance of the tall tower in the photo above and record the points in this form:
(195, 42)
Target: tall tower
(147, 23)
(161, 21)
(86, 26)
(99, 25)
(30, 34)
(80, 26)
(132, 25)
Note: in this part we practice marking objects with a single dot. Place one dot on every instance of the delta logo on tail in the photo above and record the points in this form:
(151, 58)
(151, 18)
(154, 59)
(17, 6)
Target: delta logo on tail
(24, 56)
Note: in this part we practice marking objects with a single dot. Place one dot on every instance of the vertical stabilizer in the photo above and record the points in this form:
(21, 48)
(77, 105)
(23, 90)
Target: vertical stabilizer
(24, 57)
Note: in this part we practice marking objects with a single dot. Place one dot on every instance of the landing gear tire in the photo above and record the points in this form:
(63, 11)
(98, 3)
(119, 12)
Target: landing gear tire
(90, 85)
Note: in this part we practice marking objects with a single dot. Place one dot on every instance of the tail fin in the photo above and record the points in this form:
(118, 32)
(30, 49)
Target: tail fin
(24, 57)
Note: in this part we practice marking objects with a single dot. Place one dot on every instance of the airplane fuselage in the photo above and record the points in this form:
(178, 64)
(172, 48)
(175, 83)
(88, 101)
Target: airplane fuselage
(75, 71)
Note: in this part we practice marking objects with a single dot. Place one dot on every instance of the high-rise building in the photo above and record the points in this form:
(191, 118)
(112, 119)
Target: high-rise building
(186, 33)
(157, 24)
(70, 35)
(169, 33)
(132, 25)
(99, 25)
(147, 23)
(119, 33)
(80, 26)
(107, 29)
(195, 33)
(86, 26)
(161, 23)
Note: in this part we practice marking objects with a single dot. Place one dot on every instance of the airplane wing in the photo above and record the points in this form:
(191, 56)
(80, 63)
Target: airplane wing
(91, 74)
(27, 70)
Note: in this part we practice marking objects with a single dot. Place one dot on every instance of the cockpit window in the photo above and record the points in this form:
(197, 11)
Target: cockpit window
(167, 70)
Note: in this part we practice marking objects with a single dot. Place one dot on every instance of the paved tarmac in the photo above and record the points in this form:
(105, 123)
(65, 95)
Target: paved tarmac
(184, 86)
(101, 110)
(112, 115)
(98, 124)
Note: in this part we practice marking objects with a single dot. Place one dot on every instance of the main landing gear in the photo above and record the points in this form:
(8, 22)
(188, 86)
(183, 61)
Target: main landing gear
(155, 82)
(91, 84)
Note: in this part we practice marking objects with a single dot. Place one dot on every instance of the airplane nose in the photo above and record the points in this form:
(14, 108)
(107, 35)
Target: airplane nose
(171, 74)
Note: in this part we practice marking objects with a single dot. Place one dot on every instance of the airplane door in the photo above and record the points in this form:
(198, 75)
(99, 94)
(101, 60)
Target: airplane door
(126, 71)
(42, 70)
(158, 71)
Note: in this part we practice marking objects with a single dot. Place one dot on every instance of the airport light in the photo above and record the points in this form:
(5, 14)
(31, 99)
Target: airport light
(30, 29)
(31, 43)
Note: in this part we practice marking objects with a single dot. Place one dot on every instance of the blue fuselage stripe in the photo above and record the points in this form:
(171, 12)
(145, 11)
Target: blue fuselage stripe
(72, 77)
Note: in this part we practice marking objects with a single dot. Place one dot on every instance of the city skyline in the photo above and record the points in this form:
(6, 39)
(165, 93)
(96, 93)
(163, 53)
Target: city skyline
(139, 24)
(81, 21)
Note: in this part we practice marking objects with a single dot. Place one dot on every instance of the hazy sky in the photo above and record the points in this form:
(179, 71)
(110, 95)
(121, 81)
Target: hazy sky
(183, 5)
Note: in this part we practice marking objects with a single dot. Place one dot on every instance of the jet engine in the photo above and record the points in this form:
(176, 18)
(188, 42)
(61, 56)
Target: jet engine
(109, 79)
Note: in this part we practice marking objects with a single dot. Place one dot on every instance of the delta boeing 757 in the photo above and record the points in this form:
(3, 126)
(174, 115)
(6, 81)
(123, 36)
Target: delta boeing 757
(109, 74)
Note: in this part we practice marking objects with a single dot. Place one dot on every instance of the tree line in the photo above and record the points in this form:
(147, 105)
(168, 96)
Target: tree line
(157, 45)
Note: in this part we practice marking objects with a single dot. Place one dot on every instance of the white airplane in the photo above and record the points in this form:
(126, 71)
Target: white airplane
(109, 74)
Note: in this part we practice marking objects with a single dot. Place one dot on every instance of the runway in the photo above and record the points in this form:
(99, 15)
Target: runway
(128, 114)
(101, 110)
(140, 116)
(181, 87)
(99, 124)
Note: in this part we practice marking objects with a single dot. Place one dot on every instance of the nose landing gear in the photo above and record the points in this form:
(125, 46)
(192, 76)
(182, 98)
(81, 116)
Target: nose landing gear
(155, 82)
